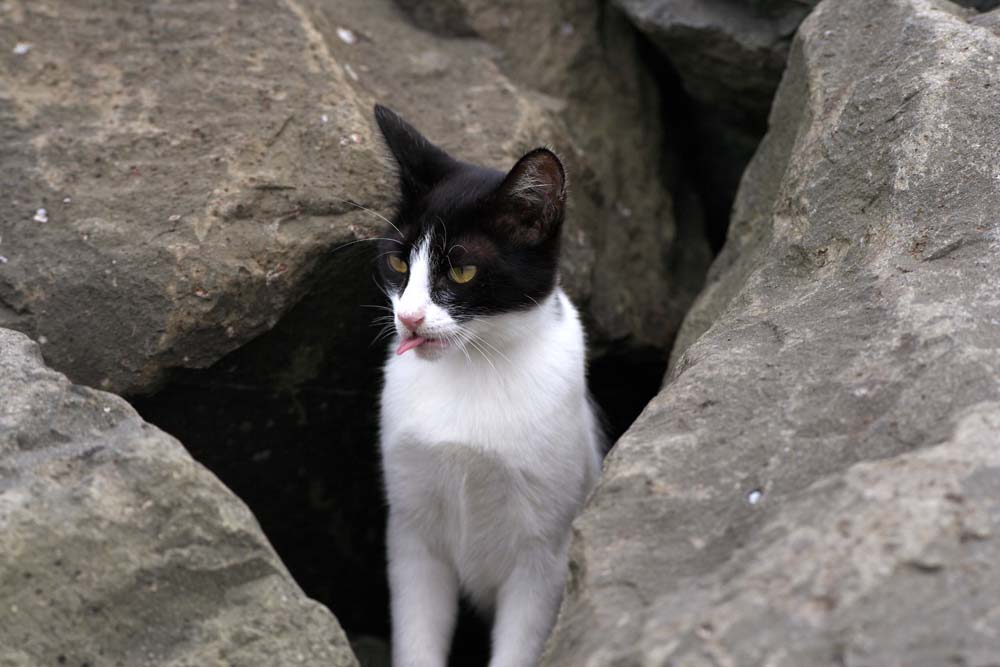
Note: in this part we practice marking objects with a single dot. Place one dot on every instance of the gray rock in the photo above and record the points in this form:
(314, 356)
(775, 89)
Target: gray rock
(818, 481)
(116, 548)
(189, 179)
(989, 20)
(729, 54)
(194, 184)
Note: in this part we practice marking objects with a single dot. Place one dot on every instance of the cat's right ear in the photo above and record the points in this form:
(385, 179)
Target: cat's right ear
(421, 164)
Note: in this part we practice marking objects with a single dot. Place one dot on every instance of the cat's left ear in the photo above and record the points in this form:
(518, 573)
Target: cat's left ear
(532, 197)
(421, 164)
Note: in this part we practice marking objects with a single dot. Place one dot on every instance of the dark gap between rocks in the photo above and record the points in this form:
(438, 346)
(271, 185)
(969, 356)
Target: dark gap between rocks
(708, 149)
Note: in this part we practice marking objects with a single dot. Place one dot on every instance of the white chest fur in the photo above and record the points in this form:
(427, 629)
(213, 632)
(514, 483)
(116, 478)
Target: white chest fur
(487, 459)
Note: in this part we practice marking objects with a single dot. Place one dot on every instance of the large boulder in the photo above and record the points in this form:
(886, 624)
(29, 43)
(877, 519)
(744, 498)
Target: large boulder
(818, 482)
(192, 166)
(117, 548)
(175, 180)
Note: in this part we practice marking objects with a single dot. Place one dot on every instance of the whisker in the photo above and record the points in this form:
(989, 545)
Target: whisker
(350, 243)
(375, 213)
(444, 244)
(384, 333)
(494, 348)
(482, 341)
(472, 341)
(380, 288)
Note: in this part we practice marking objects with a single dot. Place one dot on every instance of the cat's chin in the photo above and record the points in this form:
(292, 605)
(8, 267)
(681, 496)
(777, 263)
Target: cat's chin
(424, 348)
(432, 349)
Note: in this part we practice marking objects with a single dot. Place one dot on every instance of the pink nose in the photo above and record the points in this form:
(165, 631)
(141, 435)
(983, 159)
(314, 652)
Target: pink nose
(411, 320)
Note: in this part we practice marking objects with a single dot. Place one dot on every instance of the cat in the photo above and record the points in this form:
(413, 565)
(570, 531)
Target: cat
(489, 440)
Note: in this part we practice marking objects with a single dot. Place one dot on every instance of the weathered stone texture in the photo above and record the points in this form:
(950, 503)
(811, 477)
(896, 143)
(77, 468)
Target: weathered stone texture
(116, 548)
(818, 481)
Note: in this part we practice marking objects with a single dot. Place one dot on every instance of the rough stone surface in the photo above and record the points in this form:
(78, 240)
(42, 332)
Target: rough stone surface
(187, 174)
(728, 54)
(818, 482)
(193, 165)
(116, 548)
(989, 20)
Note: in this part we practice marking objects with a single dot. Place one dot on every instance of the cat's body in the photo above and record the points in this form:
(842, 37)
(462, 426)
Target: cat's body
(489, 441)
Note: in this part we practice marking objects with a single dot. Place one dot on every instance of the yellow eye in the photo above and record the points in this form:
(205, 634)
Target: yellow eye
(397, 264)
(462, 274)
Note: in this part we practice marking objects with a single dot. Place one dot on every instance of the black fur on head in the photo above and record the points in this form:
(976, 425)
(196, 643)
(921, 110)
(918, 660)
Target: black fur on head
(506, 225)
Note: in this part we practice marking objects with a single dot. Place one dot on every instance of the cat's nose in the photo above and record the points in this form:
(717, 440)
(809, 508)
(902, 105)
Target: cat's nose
(411, 320)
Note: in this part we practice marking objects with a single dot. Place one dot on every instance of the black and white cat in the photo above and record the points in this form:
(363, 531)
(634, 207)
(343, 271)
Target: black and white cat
(489, 441)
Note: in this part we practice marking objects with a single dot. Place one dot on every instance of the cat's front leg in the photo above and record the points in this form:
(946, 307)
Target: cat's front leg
(527, 604)
(424, 592)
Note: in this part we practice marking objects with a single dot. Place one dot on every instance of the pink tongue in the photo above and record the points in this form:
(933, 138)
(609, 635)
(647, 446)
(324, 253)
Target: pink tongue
(410, 343)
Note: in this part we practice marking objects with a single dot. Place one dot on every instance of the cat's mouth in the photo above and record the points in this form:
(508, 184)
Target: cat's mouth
(413, 342)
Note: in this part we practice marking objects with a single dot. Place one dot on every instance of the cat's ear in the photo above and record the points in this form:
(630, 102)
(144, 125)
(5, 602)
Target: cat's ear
(421, 163)
(532, 197)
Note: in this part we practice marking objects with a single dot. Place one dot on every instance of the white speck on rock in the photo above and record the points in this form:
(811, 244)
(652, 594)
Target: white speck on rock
(21, 48)
(754, 497)
(107, 409)
(67, 200)
(350, 72)
(41, 215)
(42, 340)
(324, 118)
(347, 36)
(174, 218)
(3, 260)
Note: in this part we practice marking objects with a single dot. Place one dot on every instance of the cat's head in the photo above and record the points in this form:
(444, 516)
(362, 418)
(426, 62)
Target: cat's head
(471, 249)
